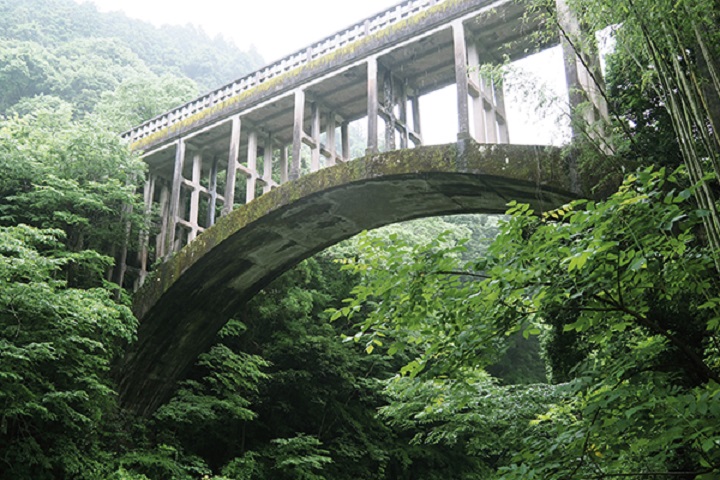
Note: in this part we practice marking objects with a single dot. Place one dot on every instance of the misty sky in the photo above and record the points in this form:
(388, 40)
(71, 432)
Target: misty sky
(275, 27)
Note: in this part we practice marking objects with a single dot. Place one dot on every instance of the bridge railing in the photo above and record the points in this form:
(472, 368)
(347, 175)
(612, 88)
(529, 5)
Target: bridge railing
(295, 60)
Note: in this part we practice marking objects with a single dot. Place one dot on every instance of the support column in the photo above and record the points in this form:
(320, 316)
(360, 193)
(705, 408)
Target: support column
(461, 80)
(583, 84)
(331, 144)
(389, 107)
(487, 92)
(148, 196)
(195, 197)
(181, 224)
(232, 165)
(121, 264)
(488, 103)
(267, 163)
(297, 134)
(174, 207)
(402, 103)
(582, 87)
(372, 106)
(478, 95)
(161, 240)
(283, 165)
(315, 136)
(212, 188)
(417, 128)
(500, 114)
(345, 139)
(251, 178)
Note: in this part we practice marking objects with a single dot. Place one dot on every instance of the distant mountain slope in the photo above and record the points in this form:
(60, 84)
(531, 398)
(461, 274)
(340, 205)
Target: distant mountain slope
(185, 51)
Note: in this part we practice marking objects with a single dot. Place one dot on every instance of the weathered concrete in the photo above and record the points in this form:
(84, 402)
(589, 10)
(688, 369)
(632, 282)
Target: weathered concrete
(188, 299)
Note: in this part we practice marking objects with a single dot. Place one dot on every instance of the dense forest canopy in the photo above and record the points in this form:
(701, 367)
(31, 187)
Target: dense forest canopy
(581, 343)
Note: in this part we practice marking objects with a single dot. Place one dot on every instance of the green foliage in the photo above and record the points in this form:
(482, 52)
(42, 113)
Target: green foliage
(626, 276)
(300, 457)
(71, 176)
(420, 297)
(68, 203)
(675, 49)
(246, 467)
(484, 421)
(215, 407)
(642, 292)
(218, 398)
(56, 344)
(140, 98)
(164, 461)
(25, 71)
(307, 402)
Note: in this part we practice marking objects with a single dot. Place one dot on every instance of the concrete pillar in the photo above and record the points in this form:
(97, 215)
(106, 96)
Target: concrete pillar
(283, 165)
(212, 190)
(195, 196)
(174, 207)
(487, 92)
(345, 139)
(331, 144)
(251, 178)
(461, 80)
(181, 224)
(315, 136)
(372, 106)
(267, 163)
(161, 240)
(416, 125)
(479, 102)
(500, 114)
(488, 103)
(144, 240)
(233, 156)
(121, 265)
(389, 104)
(298, 133)
(582, 68)
(402, 103)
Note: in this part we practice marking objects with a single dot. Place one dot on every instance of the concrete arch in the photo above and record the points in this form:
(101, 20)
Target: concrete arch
(191, 296)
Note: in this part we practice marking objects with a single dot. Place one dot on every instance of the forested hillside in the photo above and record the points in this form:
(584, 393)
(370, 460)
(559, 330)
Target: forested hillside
(582, 343)
(72, 51)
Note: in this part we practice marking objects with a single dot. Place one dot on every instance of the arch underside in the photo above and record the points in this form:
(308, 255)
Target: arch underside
(191, 296)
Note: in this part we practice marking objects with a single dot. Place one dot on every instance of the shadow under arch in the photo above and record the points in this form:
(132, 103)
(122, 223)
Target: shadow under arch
(186, 301)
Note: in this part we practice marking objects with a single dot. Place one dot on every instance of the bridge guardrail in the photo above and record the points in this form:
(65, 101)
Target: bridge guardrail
(295, 60)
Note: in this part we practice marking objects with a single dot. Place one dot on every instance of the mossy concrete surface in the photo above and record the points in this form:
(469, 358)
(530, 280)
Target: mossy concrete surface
(190, 297)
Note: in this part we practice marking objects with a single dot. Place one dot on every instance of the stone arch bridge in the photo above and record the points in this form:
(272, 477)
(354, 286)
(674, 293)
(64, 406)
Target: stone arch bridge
(277, 141)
